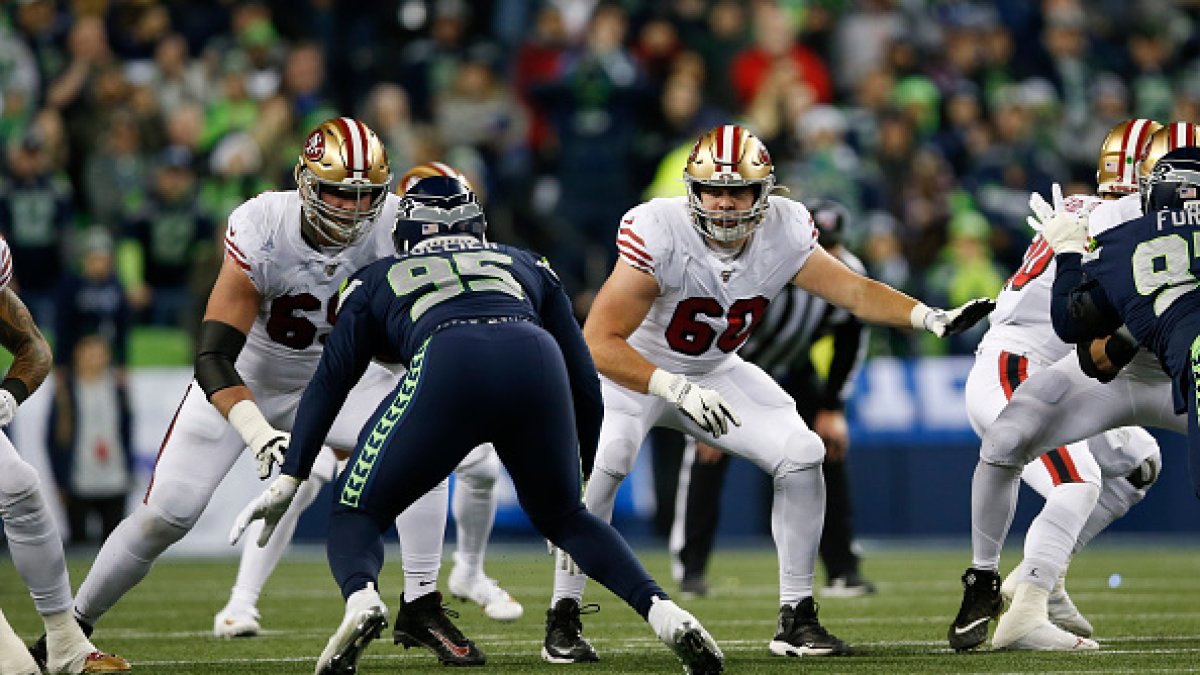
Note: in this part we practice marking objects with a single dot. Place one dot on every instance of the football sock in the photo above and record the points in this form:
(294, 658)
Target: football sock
(1052, 535)
(422, 531)
(474, 505)
(993, 501)
(797, 516)
(65, 641)
(599, 496)
(354, 549)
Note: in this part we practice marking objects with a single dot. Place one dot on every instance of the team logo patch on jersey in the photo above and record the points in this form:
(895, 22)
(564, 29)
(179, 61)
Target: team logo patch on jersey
(314, 147)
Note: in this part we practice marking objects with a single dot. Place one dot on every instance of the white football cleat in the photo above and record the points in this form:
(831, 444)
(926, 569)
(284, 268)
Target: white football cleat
(682, 632)
(364, 621)
(1026, 626)
(233, 622)
(496, 602)
(1061, 609)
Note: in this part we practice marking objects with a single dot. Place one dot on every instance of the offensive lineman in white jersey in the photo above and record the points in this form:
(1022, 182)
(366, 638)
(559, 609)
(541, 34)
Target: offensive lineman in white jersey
(1076, 398)
(287, 253)
(1019, 343)
(693, 275)
(33, 540)
(474, 505)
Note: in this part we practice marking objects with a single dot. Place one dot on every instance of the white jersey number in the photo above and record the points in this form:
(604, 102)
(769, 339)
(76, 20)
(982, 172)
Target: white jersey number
(1162, 266)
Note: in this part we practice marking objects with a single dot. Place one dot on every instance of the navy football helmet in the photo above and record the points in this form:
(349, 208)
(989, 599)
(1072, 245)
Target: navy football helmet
(1174, 184)
(437, 206)
(830, 218)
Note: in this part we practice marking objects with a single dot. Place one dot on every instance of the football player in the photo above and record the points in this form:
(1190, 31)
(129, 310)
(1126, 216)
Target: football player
(1020, 343)
(1045, 413)
(483, 328)
(474, 505)
(270, 310)
(693, 277)
(33, 540)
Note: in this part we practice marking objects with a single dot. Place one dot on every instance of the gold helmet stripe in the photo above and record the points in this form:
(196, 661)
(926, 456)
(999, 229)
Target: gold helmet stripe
(1137, 132)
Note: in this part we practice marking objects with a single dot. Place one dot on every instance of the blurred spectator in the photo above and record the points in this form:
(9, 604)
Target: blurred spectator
(116, 173)
(681, 116)
(135, 29)
(965, 270)
(386, 111)
(480, 110)
(826, 166)
(92, 301)
(655, 48)
(90, 441)
(1151, 48)
(303, 82)
(235, 175)
(20, 83)
(775, 50)
(427, 65)
(43, 27)
(232, 108)
(169, 231)
(176, 79)
(861, 40)
(36, 219)
(1109, 107)
(538, 60)
(724, 39)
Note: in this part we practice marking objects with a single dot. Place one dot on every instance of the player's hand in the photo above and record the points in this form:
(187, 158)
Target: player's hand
(266, 443)
(267, 507)
(8, 407)
(269, 452)
(943, 323)
(562, 560)
(704, 406)
(1064, 231)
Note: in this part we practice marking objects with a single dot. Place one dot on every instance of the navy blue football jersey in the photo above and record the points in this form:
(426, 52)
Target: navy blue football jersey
(1148, 268)
(388, 310)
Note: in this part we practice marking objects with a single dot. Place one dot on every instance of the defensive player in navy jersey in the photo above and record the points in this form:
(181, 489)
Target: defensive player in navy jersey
(1143, 274)
(493, 354)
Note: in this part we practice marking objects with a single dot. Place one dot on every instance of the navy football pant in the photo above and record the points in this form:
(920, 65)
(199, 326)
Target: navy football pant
(504, 383)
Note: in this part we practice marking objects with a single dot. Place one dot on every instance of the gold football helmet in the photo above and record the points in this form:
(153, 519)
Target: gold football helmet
(1174, 135)
(427, 170)
(1117, 167)
(342, 163)
(728, 156)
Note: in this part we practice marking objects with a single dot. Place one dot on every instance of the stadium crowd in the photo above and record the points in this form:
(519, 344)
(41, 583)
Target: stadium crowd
(931, 122)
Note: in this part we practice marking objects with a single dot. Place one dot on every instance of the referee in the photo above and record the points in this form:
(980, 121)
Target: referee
(780, 345)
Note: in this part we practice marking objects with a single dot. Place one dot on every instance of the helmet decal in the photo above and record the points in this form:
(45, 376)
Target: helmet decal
(314, 147)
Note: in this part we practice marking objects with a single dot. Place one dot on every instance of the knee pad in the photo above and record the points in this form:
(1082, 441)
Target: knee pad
(178, 503)
(1003, 445)
(18, 483)
(480, 469)
(802, 450)
(616, 458)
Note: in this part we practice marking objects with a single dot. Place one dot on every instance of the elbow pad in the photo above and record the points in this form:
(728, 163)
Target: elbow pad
(217, 349)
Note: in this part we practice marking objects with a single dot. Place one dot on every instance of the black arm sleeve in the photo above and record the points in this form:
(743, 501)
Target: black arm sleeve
(558, 319)
(849, 351)
(1079, 308)
(217, 349)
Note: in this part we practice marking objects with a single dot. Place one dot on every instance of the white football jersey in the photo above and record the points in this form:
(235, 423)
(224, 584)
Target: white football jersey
(1021, 321)
(708, 303)
(299, 285)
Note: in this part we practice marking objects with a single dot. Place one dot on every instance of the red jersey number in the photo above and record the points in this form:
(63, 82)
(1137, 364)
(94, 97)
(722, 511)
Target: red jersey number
(687, 334)
(294, 330)
(1037, 259)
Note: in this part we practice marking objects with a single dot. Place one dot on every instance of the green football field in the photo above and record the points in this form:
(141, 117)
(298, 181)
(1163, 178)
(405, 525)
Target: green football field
(1149, 623)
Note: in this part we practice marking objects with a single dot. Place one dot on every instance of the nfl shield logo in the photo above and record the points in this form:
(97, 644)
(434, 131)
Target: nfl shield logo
(725, 275)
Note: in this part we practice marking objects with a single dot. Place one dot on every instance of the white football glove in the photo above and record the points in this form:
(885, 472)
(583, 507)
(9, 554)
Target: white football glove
(8, 407)
(943, 323)
(266, 443)
(705, 407)
(267, 507)
(1066, 232)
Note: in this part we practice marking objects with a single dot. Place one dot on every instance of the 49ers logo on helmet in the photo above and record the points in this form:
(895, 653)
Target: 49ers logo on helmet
(314, 147)
(764, 157)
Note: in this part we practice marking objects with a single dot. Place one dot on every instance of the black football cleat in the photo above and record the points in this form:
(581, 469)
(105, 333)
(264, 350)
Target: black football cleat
(981, 604)
(425, 622)
(564, 633)
(800, 633)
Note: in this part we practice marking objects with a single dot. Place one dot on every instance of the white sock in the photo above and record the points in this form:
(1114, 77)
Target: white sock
(65, 642)
(1052, 535)
(422, 531)
(599, 497)
(797, 517)
(14, 657)
(993, 501)
(474, 505)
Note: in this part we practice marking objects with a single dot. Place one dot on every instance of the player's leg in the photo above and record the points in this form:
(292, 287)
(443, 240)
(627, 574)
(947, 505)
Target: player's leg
(536, 443)
(1131, 462)
(474, 506)
(407, 449)
(37, 554)
(240, 617)
(776, 439)
(197, 452)
(697, 511)
(14, 658)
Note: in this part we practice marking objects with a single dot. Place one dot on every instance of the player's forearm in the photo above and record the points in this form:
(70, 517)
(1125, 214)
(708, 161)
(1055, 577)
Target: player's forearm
(877, 303)
(622, 364)
(20, 336)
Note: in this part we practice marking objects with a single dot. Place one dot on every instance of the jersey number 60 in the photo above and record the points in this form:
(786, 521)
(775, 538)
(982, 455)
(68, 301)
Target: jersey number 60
(689, 335)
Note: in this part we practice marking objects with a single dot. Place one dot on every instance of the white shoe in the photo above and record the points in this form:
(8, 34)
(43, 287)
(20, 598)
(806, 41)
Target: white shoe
(233, 622)
(364, 620)
(496, 602)
(1026, 626)
(1064, 613)
(682, 632)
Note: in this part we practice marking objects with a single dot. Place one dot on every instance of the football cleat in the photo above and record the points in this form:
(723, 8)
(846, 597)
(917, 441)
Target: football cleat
(850, 585)
(236, 622)
(980, 604)
(680, 631)
(564, 641)
(496, 602)
(1062, 610)
(1025, 626)
(364, 621)
(425, 622)
(800, 633)
(99, 662)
